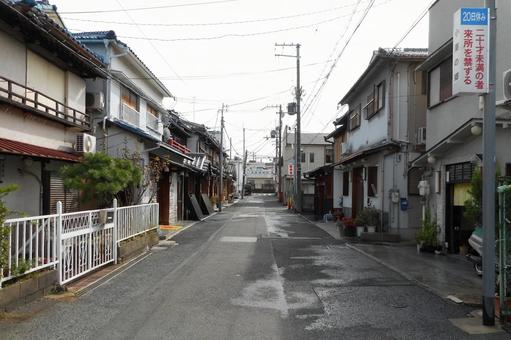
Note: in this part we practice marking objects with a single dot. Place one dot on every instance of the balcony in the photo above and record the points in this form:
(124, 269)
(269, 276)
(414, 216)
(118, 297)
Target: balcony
(178, 146)
(153, 122)
(29, 99)
(130, 115)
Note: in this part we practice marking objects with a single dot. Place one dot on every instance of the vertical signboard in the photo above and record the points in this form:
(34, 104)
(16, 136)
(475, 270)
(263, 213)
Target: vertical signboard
(290, 170)
(470, 51)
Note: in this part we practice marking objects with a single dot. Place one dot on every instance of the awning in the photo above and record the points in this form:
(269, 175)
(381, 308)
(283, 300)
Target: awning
(366, 152)
(19, 148)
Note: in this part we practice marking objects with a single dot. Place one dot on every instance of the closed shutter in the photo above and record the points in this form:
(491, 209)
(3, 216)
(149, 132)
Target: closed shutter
(58, 192)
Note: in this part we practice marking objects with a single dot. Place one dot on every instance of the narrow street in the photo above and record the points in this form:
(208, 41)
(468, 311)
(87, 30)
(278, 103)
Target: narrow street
(254, 271)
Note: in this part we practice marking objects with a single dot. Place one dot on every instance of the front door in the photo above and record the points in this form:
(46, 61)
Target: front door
(358, 191)
(164, 198)
(180, 197)
(458, 230)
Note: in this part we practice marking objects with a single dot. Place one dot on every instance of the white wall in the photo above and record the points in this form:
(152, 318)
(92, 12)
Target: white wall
(32, 129)
(75, 91)
(45, 77)
(25, 200)
(123, 65)
(13, 55)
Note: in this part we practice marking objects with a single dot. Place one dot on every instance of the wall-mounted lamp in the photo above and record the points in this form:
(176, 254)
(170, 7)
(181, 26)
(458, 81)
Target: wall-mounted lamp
(476, 130)
(431, 159)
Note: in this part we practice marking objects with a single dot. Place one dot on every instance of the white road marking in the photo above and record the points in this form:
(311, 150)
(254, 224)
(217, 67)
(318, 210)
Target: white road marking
(239, 239)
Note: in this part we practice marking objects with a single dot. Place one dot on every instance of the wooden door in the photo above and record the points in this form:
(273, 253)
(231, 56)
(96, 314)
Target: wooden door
(164, 198)
(358, 192)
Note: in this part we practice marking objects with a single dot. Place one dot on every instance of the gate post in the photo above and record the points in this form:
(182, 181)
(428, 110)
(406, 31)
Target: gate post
(58, 241)
(114, 232)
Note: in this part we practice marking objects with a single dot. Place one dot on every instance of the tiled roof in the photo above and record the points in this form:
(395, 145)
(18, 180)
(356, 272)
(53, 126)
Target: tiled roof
(19, 148)
(100, 35)
(35, 20)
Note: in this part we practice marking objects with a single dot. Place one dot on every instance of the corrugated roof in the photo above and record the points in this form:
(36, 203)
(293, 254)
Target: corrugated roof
(19, 148)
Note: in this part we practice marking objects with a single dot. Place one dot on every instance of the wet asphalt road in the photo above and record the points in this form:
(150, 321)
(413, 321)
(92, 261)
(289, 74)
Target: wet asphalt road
(254, 271)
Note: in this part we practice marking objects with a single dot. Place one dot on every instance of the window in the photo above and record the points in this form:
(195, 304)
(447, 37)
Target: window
(440, 82)
(345, 183)
(129, 98)
(302, 156)
(369, 108)
(355, 118)
(311, 157)
(379, 100)
(329, 155)
(152, 111)
(372, 181)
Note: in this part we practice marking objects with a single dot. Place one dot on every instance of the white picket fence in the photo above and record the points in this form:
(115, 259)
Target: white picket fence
(74, 243)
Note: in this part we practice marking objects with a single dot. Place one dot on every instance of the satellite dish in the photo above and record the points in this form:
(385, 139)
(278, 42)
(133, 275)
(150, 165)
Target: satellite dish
(166, 134)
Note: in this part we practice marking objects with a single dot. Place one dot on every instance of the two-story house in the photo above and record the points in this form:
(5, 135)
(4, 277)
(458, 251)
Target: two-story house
(315, 153)
(454, 124)
(128, 118)
(261, 176)
(43, 114)
(387, 107)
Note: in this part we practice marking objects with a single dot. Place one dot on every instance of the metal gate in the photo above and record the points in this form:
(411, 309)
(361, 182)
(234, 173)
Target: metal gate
(87, 242)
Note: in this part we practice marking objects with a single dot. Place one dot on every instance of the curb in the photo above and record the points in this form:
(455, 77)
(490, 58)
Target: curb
(406, 276)
(93, 285)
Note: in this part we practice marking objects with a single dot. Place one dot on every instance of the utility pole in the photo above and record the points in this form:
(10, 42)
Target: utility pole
(489, 132)
(278, 147)
(221, 159)
(244, 167)
(298, 94)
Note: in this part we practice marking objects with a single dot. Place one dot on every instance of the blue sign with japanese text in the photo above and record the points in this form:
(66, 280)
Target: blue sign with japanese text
(474, 16)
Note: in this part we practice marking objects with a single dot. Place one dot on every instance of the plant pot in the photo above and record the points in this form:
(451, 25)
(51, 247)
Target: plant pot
(426, 248)
(360, 230)
(371, 229)
(349, 231)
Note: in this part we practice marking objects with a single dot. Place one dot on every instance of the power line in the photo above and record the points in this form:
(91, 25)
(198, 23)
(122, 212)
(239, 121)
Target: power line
(415, 23)
(227, 75)
(214, 23)
(368, 8)
(239, 35)
(150, 8)
(150, 42)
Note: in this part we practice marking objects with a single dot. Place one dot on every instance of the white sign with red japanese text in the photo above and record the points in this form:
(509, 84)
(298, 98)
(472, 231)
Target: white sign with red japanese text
(470, 51)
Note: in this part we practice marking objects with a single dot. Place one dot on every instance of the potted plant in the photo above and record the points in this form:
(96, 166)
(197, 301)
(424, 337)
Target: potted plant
(347, 227)
(427, 237)
(373, 219)
(361, 222)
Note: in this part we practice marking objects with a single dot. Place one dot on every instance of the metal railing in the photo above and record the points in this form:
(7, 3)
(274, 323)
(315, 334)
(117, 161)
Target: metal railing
(37, 101)
(32, 245)
(136, 220)
(130, 115)
(75, 243)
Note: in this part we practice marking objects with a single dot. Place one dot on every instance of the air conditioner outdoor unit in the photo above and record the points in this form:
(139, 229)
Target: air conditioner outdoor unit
(421, 135)
(85, 143)
(95, 100)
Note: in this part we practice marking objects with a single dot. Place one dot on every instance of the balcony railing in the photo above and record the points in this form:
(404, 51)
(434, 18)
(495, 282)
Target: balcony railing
(152, 122)
(178, 146)
(130, 115)
(35, 101)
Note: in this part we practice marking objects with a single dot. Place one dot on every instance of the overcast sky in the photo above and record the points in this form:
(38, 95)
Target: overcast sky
(209, 52)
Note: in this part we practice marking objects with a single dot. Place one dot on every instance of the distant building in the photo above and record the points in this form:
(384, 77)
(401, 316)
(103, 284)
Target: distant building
(261, 176)
(315, 153)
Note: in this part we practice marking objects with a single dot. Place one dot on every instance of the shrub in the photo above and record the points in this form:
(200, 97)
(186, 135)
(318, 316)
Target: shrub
(4, 231)
(428, 233)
